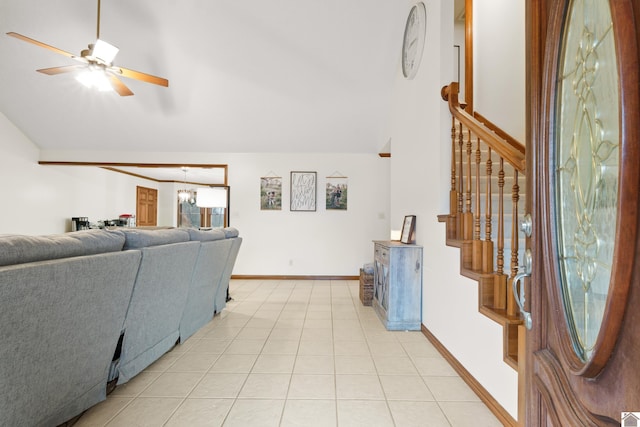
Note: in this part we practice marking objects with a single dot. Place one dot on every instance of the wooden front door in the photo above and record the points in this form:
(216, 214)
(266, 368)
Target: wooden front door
(582, 357)
(146, 206)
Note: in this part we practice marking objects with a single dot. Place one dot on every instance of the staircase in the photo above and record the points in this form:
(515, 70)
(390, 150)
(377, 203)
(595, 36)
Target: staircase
(486, 199)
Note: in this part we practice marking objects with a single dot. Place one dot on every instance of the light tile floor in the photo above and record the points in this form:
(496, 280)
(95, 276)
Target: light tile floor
(295, 354)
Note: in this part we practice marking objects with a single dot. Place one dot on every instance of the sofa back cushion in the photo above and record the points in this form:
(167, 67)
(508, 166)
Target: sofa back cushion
(159, 296)
(61, 322)
(20, 249)
(230, 232)
(136, 238)
(206, 236)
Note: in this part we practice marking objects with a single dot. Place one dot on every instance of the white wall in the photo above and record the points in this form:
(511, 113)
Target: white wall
(460, 40)
(42, 199)
(420, 179)
(324, 242)
(499, 63)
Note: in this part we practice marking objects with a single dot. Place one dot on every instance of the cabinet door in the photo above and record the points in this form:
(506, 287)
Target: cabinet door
(381, 276)
(405, 288)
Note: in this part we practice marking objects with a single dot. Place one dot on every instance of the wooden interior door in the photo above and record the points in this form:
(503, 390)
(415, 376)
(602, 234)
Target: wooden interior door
(146, 206)
(582, 357)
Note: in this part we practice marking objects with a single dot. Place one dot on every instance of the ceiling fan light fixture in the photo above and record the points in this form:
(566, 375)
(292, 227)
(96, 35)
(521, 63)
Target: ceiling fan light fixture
(95, 78)
(98, 56)
(104, 51)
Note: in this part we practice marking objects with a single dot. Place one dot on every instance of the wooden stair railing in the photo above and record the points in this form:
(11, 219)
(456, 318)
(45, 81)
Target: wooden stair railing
(473, 143)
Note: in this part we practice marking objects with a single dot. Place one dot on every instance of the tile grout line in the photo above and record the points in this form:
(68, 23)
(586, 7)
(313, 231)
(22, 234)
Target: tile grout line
(235, 400)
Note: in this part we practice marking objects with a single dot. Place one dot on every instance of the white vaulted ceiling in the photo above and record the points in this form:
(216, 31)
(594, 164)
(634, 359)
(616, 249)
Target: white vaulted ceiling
(244, 76)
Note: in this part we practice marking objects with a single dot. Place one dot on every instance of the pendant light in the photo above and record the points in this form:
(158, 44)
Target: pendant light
(185, 194)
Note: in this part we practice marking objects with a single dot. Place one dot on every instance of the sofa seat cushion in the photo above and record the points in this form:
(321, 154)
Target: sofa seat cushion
(20, 249)
(136, 238)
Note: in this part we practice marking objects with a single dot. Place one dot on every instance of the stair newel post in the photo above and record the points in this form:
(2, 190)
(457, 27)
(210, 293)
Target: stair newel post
(453, 193)
(460, 224)
(512, 308)
(476, 246)
(487, 243)
(500, 279)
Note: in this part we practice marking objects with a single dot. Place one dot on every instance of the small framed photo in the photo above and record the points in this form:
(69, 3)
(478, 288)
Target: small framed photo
(271, 193)
(337, 192)
(408, 230)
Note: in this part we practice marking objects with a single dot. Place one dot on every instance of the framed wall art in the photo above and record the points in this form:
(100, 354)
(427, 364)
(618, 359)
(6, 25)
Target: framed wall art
(408, 230)
(271, 193)
(336, 193)
(303, 191)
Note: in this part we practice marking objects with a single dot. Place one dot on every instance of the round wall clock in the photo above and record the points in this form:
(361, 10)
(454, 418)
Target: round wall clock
(413, 42)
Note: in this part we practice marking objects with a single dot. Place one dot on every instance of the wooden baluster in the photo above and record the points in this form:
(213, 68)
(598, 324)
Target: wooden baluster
(459, 224)
(468, 215)
(476, 246)
(487, 243)
(453, 196)
(500, 279)
(512, 309)
(500, 257)
(453, 193)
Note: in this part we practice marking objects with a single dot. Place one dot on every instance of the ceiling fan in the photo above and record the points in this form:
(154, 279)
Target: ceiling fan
(96, 65)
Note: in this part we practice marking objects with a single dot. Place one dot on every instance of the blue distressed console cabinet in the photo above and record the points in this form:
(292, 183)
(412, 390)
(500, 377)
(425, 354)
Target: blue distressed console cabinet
(397, 285)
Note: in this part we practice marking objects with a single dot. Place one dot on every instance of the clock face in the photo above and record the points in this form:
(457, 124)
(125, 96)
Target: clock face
(413, 43)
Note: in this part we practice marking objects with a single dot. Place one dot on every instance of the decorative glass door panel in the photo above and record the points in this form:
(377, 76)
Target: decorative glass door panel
(585, 161)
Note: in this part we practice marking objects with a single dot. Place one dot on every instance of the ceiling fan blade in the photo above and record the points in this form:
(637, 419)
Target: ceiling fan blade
(125, 72)
(59, 70)
(37, 43)
(118, 86)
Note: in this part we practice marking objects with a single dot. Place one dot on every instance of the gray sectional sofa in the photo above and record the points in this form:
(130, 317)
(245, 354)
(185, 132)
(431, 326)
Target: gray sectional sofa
(84, 308)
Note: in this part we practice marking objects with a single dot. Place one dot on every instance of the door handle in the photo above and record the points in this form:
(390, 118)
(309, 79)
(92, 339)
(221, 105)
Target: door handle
(518, 289)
